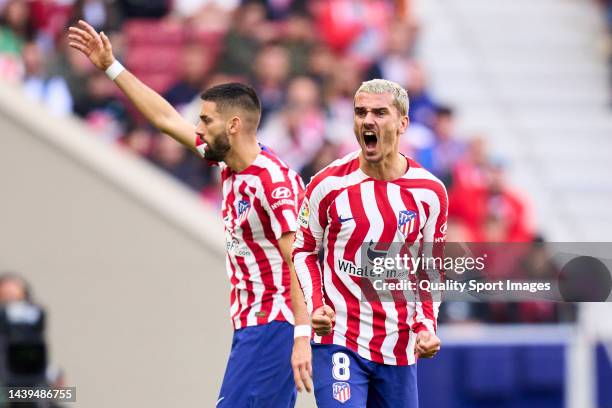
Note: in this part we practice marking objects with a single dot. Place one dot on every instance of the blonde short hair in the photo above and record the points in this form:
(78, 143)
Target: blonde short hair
(379, 86)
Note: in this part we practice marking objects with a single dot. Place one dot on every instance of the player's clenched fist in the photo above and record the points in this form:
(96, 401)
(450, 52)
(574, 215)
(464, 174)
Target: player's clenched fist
(323, 320)
(96, 47)
(427, 344)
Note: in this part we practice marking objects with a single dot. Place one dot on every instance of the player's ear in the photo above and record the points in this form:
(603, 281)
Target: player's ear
(234, 125)
(404, 122)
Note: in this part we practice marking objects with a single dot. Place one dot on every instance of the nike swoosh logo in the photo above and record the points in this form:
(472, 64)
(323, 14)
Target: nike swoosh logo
(219, 400)
(341, 220)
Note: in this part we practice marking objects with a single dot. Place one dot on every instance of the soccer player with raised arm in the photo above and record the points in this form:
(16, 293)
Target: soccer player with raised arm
(365, 349)
(260, 200)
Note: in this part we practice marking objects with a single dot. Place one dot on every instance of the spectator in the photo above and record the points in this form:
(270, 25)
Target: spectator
(447, 148)
(195, 65)
(100, 108)
(49, 90)
(507, 218)
(399, 47)
(422, 104)
(346, 77)
(321, 63)
(138, 140)
(173, 158)
(483, 201)
(297, 131)
(15, 29)
(298, 37)
(326, 154)
(74, 68)
(13, 288)
(102, 15)
(241, 44)
(271, 72)
(418, 143)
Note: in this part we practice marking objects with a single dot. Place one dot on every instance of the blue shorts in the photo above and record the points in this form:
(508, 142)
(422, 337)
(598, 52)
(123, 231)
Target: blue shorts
(342, 378)
(258, 373)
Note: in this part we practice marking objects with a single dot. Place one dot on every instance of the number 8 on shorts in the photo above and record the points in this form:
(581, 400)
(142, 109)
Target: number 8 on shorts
(340, 368)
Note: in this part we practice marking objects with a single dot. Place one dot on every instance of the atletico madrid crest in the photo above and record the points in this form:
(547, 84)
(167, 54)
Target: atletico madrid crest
(342, 391)
(406, 222)
(243, 210)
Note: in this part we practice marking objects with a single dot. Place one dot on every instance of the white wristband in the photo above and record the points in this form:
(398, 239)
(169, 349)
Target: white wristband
(114, 70)
(302, 330)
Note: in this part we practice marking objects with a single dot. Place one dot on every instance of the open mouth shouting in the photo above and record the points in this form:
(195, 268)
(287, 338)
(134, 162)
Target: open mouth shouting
(370, 140)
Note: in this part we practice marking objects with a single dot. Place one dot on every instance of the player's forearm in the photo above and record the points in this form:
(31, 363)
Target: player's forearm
(308, 273)
(298, 303)
(156, 109)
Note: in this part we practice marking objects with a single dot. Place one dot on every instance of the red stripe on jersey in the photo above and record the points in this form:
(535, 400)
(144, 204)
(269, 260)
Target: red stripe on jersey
(244, 311)
(262, 260)
(234, 290)
(333, 233)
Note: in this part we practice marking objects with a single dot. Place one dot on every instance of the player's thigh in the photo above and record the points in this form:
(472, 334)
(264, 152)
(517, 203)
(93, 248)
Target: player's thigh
(273, 385)
(340, 377)
(393, 387)
(259, 371)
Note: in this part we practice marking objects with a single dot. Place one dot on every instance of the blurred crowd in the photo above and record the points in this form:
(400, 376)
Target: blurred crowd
(305, 58)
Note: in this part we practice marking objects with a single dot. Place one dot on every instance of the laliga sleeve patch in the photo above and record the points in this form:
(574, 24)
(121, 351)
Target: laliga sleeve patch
(304, 215)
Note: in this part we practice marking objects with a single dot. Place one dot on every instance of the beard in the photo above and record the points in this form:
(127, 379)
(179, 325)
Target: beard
(218, 149)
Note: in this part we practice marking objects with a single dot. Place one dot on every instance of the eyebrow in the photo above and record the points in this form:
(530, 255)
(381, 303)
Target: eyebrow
(374, 110)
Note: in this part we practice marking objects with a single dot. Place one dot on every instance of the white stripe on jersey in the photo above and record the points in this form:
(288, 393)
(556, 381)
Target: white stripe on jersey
(275, 171)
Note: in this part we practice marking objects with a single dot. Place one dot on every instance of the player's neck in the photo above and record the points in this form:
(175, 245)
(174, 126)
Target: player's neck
(243, 154)
(391, 168)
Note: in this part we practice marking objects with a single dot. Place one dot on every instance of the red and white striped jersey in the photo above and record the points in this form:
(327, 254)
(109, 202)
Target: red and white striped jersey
(259, 205)
(344, 208)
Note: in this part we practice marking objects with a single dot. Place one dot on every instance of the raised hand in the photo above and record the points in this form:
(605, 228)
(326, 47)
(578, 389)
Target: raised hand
(96, 47)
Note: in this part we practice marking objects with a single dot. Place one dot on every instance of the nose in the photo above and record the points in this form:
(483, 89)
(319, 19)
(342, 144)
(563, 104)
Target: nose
(368, 120)
(200, 129)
